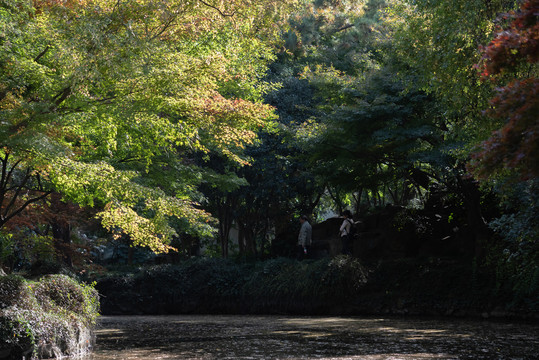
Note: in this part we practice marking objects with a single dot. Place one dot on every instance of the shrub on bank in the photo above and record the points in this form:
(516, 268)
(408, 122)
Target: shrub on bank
(340, 285)
(51, 318)
(223, 286)
(14, 291)
(303, 287)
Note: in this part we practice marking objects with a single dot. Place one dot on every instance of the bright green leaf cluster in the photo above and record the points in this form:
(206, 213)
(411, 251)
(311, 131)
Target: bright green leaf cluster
(95, 94)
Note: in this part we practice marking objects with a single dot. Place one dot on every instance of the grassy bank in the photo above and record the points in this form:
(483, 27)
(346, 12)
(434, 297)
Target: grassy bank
(338, 286)
(49, 318)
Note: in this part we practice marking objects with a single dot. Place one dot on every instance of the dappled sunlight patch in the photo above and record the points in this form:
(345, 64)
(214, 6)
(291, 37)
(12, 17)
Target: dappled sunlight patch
(337, 338)
(394, 357)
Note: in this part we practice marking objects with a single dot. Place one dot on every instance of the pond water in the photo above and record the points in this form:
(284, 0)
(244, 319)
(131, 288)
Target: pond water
(284, 337)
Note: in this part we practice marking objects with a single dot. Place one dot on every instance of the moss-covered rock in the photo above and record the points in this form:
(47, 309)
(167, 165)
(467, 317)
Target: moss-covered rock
(50, 318)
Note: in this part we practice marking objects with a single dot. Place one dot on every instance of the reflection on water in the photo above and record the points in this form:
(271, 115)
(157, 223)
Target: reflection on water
(280, 337)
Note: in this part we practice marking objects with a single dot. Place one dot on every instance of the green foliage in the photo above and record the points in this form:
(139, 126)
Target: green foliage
(516, 255)
(283, 180)
(338, 286)
(363, 127)
(439, 41)
(95, 95)
(214, 285)
(340, 34)
(372, 132)
(346, 274)
(328, 281)
(62, 292)
(162, 115)
(7, 247)
(15, 291)
(446, 35)
(36, 247)
(283, 279)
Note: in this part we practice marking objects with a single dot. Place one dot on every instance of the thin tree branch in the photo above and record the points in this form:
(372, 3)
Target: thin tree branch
(343, 28)
(166, 26)
(217, 9)
(42, 53)
(3, 183)
(10, 172)
(39, 184)
(62, 96)
(24, 206)
(17, 193)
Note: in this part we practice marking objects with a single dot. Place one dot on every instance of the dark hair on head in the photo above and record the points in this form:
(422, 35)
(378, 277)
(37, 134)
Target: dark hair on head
(304, 217)
(347, 213)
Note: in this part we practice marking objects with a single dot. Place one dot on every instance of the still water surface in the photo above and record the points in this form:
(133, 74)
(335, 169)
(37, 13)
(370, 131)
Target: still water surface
(283, 337)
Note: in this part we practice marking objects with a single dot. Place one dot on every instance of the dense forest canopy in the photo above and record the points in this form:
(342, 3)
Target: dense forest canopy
(172, 122)
(106, 103)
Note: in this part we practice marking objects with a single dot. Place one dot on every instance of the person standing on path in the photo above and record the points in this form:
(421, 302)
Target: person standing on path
(304, 238)
(345, 231)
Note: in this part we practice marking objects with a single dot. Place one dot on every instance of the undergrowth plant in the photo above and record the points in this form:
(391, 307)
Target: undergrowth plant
(49, 318)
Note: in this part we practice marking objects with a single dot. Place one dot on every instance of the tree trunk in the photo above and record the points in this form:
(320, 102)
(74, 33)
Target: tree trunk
(247, 237)
(241, 240)
(471, 197)
(224, 214)
(61, 232)
(250, 244)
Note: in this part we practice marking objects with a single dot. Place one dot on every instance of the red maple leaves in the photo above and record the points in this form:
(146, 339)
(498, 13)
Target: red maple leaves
(515, 146)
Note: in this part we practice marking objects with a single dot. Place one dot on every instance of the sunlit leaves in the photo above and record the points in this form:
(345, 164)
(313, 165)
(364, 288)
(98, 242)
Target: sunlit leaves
(96, 94)
(439, 40)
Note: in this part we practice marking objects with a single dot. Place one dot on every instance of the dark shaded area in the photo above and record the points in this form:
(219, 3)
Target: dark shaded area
(338, 286)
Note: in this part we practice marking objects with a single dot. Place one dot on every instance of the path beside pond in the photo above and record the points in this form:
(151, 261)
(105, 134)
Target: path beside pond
(283, 337)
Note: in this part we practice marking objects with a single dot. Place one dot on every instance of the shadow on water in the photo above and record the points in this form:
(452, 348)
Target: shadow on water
(275, 337)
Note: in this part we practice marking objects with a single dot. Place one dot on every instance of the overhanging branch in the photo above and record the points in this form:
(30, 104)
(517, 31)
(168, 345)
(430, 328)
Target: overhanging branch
(218, 10)
(42, 53)
(21, 208)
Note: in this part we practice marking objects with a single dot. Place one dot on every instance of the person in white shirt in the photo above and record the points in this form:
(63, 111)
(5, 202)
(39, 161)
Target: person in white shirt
(344, 232)
(304, 238)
